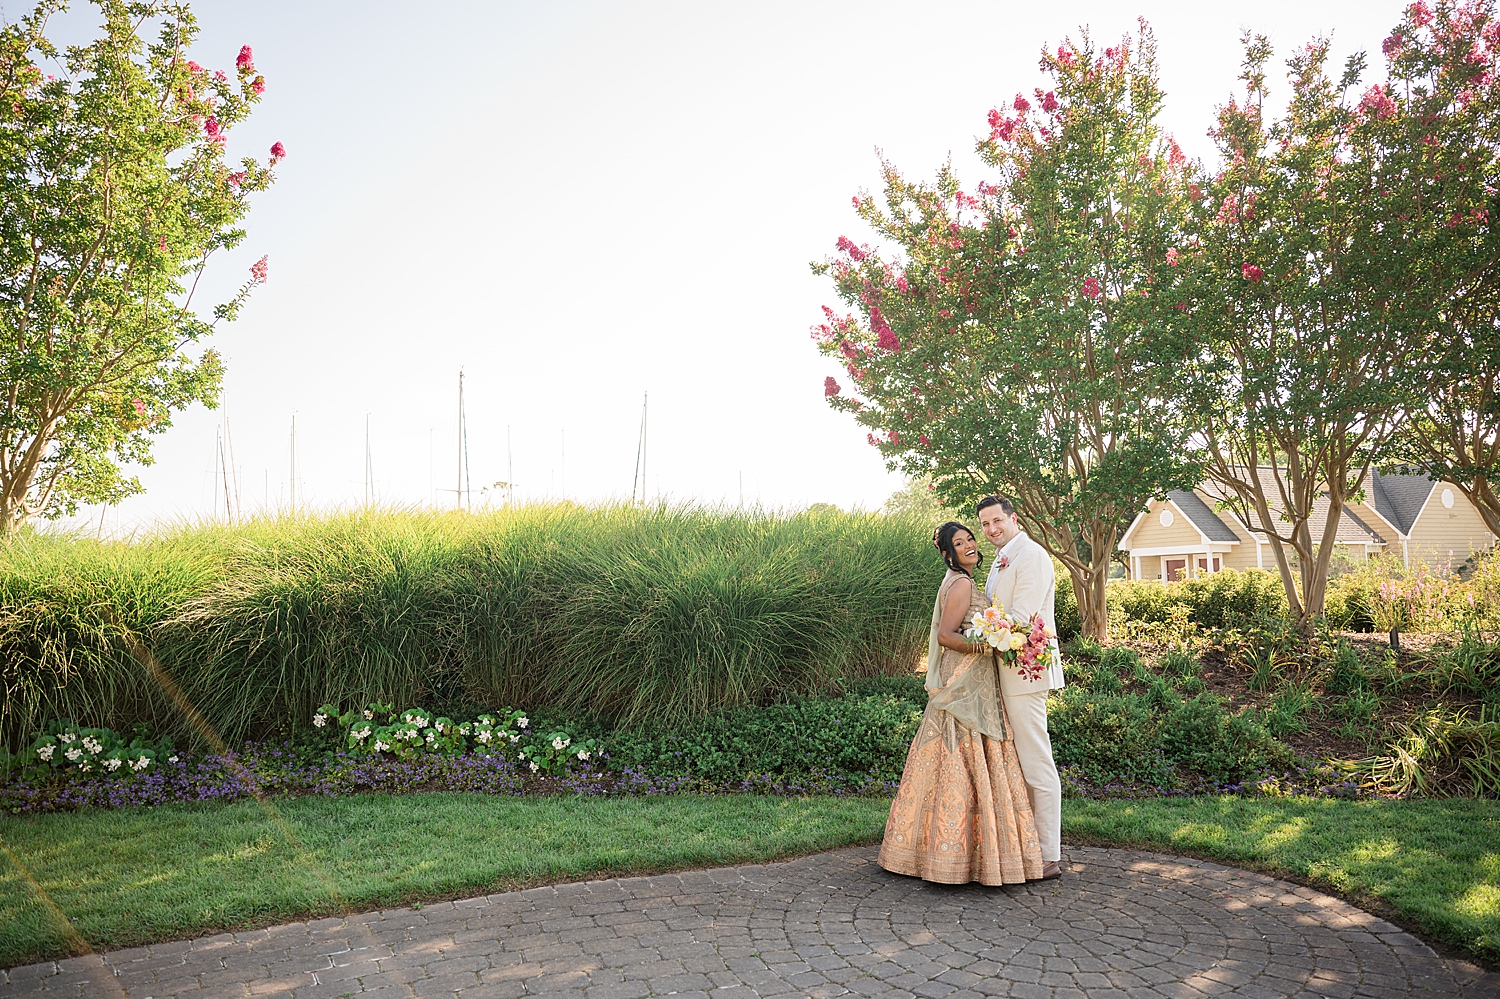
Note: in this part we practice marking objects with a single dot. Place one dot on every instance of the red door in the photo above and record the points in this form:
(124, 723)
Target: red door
(1176, 569)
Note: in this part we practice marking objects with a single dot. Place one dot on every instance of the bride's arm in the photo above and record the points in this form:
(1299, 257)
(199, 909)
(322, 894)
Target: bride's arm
(954, 619)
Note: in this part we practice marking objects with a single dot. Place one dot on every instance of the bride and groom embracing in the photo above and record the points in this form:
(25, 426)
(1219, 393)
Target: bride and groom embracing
(980, 798)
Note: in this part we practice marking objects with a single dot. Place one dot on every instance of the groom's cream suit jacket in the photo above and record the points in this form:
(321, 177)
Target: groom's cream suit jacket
(1026, 586)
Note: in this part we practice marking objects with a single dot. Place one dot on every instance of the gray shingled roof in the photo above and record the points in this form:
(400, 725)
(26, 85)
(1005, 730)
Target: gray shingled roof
(1202, 515)
(1399, 496)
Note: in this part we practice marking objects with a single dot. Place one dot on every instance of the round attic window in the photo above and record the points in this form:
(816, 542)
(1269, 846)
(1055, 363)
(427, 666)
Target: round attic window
(1165, 518)
(1448, 498)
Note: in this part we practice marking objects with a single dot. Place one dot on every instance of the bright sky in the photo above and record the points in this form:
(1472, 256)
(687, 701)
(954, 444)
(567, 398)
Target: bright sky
(578, 203)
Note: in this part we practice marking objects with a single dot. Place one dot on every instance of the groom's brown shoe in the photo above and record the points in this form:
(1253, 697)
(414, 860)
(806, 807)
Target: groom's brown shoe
(1051, 869)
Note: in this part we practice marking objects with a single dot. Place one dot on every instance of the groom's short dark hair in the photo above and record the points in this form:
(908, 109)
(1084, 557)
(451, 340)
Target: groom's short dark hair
(1005, 505)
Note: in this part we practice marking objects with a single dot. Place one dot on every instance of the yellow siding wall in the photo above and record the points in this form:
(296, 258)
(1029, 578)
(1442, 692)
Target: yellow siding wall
(1150, 533)
(1439, 530)
(1242, 555)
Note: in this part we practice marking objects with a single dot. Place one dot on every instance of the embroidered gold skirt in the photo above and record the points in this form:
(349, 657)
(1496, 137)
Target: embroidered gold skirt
(962, 812)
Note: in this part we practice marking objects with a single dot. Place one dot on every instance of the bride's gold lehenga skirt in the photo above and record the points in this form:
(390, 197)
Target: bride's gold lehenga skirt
(962, 812)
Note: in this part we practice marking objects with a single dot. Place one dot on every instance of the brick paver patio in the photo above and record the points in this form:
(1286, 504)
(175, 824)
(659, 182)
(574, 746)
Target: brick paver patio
(1120, 924)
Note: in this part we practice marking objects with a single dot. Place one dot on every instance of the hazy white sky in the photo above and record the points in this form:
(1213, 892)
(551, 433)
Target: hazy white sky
(576, 203)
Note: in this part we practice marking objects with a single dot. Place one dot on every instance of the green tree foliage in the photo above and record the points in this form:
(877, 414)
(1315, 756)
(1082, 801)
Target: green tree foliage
(114, 194)
(1013, 343)
(1329, 252)
(1444, 133)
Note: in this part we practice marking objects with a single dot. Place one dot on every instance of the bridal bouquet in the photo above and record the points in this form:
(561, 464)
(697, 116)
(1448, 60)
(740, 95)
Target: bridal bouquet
(1025, 643)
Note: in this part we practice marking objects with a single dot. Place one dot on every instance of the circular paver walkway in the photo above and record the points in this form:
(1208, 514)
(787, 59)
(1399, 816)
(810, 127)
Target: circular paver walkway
(1120, 924)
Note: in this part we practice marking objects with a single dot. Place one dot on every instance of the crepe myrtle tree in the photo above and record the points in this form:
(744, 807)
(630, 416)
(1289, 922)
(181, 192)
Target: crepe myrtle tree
(1441, 133)
(114, 193)
(1327, 247)
(1014, 342)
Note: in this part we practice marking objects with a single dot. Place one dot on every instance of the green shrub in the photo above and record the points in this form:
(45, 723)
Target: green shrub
(630, 613)
(1203, 735)
(1218, 600)
(867, 731)
(1106, 735)
(1065, 607)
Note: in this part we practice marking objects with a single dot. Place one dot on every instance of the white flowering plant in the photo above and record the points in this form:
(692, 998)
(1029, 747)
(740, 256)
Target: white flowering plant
(558, 751)
(68, 747)
(379, 728)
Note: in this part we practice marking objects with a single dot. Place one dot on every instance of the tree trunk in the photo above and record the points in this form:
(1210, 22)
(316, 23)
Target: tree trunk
(1093, 612)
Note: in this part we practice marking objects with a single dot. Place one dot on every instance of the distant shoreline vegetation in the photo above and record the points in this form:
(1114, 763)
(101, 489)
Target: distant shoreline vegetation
(624, 612)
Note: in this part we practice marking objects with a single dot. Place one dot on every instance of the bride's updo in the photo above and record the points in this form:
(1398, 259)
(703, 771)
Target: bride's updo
(942, 540)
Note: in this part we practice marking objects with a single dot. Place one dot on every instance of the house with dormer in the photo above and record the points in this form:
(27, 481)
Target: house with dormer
(1185, 534)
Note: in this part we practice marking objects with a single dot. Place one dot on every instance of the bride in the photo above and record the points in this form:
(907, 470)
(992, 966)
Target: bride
(962, 812)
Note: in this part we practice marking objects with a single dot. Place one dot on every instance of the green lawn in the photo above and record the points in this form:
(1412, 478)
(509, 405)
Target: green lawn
(128, 877)
(1431, 864)
(112, 879)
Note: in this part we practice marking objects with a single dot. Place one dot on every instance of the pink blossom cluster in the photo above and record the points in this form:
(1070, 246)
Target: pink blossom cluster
(830, 387)
(1049, 102)
(1250, 272)
(246, 61)
(259, 269)
(140, 407)
(1091, 289)
(236, 179)
(1377, 101)
(885, 337)
(1065, 56)
(1173, 256)
(1002, 127)
(1021, 104)
(846, 245)
(278, 152)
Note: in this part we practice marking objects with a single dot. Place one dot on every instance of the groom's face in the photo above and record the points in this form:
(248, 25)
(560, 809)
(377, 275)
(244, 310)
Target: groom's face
(999, 527)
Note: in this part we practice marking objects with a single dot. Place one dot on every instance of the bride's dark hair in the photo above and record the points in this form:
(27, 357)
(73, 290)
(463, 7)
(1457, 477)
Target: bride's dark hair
(942, 540)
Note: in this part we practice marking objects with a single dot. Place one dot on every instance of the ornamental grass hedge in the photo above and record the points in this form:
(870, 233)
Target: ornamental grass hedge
(213, 633)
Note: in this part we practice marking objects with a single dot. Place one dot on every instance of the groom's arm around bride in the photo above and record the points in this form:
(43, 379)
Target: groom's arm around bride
(1023, 580)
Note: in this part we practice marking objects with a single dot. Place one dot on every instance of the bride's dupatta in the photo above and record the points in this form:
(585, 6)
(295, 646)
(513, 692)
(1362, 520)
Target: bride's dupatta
(972, 698)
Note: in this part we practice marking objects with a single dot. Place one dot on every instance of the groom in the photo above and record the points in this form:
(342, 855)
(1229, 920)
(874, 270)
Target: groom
(1023, 580)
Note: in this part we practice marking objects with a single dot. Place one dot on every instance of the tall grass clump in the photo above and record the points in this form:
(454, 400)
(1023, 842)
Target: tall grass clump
(628, 613)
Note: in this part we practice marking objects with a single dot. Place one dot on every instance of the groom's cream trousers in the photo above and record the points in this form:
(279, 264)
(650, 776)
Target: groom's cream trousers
(1028, 727)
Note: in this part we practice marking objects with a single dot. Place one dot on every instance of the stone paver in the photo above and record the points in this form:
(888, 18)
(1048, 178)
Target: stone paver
(1121, 924)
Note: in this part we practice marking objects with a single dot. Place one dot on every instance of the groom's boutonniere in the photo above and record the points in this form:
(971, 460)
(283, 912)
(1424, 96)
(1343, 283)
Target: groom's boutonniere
(1004, 561)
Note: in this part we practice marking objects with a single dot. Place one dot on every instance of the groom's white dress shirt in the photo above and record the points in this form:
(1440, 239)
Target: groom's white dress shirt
(1026, 586)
